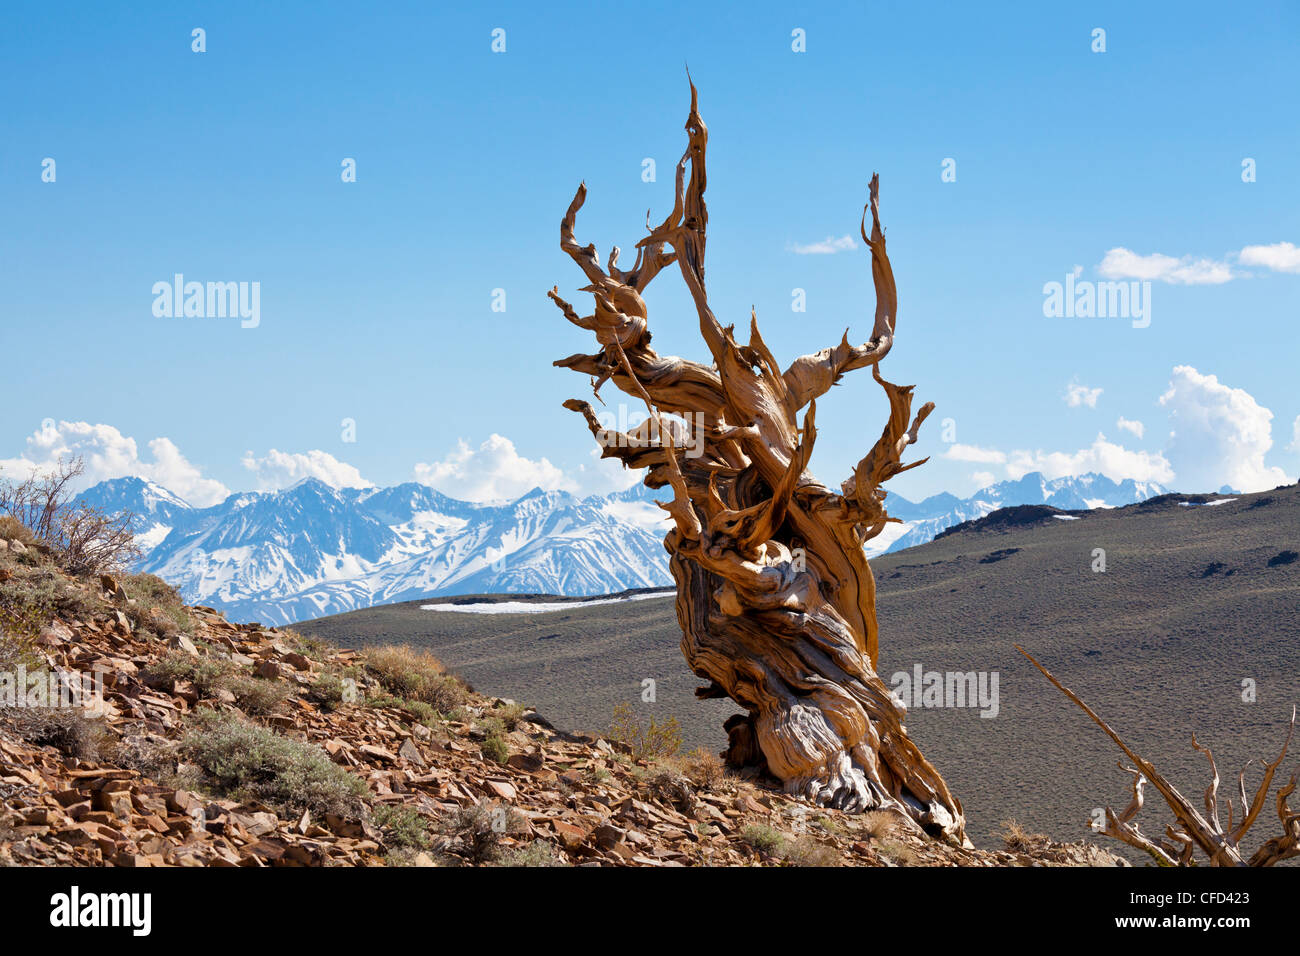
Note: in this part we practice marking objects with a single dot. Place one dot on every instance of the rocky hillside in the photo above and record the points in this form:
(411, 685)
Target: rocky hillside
(222, 744)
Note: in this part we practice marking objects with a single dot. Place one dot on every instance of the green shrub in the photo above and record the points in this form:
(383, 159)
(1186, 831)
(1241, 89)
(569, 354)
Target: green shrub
(316, 648)
(510, 714)
(416, 708)
(537, 853)
(246, 760)
(34, 595)
(327, 692)
(763, 838)
(256, 695)
(496, 749)
(494, 746)
(402, 827)
(207, 674)
(158, 606)
(45, 590)
(480, 829)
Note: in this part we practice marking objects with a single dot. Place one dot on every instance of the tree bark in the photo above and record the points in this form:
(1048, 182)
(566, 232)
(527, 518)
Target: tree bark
(775, 597)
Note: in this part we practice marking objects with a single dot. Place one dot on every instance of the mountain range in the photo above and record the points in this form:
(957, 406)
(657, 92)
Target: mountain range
(311, 550)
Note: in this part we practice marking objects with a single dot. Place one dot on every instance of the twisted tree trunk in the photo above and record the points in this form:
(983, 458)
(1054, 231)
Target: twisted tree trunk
(774, 594)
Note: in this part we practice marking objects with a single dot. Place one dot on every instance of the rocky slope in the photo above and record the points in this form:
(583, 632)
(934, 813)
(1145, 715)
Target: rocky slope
(221, 744)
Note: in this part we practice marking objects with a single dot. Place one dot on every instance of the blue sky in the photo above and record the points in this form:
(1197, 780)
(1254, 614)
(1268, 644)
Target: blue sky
(376, 295)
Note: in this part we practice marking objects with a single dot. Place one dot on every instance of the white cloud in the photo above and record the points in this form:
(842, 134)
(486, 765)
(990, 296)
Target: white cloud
(1219, 435)
(1121, 263)
(827, 247)
(492, 472)
(1280, 257)
(1076, 395)
(974, 453)
(1104, 457)
(605, 476)
(278, 469)
(107, 453)
(982, 479)
(1128, 425)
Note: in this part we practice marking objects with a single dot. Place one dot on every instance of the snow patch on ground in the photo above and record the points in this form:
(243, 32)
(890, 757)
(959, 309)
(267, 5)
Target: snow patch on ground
(538, 607)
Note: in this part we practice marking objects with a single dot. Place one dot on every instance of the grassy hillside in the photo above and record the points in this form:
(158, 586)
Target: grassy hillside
(1195, 599)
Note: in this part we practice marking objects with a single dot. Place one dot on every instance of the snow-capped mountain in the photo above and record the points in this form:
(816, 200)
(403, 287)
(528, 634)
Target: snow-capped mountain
(312, 550)
(154, 507)
(924, 520)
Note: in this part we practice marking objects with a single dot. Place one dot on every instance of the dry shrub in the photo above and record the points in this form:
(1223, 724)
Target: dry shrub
(900, 854)
(413, 674)
(671, 788)
(480, 829)
(154, 756)
(11, 529)
(82, 539)
(1019, 840)
(878, 825)
(805, 851)
(655, 740)
(704, 768)
(66, 729)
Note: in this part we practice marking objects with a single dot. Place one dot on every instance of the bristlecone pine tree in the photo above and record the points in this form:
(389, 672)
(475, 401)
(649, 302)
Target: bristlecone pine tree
(1193, 830)
(774, 595)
